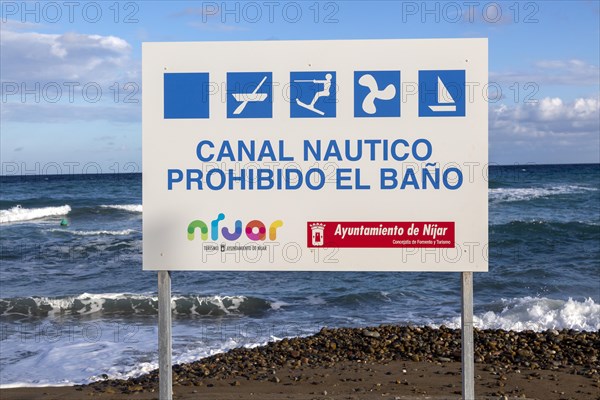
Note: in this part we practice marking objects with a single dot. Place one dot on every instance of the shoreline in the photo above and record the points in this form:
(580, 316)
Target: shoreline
(376, 362)
(26, 175)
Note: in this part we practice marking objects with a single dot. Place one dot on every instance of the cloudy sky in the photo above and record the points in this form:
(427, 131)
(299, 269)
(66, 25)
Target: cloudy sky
(71, 71)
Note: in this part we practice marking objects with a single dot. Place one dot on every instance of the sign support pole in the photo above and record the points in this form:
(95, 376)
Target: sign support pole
(165, 370)
(468, 347)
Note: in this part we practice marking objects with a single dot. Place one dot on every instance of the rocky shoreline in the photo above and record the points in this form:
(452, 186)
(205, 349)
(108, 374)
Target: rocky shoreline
(500, 352)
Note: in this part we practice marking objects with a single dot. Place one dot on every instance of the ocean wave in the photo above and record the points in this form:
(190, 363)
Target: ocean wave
(137, 208)
(122, 362)
(502, 195)
(360, 298)
(20, 214)
(521, 229)
(539, 314)
(127, 304)
(123, 232)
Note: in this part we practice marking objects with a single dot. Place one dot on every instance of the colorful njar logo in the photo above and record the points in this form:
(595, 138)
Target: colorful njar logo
(255, 229)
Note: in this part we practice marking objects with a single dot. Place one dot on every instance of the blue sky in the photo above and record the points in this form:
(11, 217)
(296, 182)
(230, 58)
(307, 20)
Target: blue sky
(71, 71)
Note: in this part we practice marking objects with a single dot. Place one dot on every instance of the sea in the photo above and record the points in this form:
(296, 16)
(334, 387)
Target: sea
(76, 306)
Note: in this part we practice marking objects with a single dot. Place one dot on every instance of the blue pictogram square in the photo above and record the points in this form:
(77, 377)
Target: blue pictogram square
(249, 95)
(186, 95)
(377, 93)
(442, 93)
(313, 94)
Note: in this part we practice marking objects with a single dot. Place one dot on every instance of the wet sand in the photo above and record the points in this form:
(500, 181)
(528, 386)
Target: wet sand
(348, 380)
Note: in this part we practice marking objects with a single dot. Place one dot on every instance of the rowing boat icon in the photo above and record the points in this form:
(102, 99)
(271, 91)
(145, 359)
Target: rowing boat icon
(246, 98)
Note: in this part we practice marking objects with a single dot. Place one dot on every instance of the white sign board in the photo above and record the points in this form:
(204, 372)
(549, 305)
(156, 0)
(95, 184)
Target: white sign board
(365, 155)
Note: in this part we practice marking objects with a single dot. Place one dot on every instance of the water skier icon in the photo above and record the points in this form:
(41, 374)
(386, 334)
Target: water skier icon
(323, 93)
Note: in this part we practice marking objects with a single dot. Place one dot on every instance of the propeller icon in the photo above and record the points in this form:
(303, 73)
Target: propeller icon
(368, 104)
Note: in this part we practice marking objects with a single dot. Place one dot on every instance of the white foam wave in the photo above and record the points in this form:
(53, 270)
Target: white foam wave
(117, 350)
(123, 232)
(125, 207)
(224, 304)
(86, 304)
(64, 356)
(524, 194)
(91, 304)
(117, 296)
(539, 314)
(19, 214)
(278, 304)
(187, 354)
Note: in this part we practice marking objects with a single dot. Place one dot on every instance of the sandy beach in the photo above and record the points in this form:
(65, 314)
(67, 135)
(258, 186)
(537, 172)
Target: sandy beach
(349, 380)
(387, 362)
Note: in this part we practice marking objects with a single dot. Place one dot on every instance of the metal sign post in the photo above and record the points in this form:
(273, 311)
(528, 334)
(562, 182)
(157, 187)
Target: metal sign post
(468, 347)
(165, 370)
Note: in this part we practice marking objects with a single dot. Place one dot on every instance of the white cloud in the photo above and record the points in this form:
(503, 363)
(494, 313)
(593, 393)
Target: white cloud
(44, 77)
(548, 117)
(29, 56)
(553, 72)
(546, 130)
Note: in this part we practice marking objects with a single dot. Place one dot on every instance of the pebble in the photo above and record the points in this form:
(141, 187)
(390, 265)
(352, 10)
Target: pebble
(502, 351)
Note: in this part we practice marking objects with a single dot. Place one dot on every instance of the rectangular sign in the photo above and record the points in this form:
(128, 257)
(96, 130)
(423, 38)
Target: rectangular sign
(365, 155)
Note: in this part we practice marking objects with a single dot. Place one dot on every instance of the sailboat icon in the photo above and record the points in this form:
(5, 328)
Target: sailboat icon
(444, 99)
